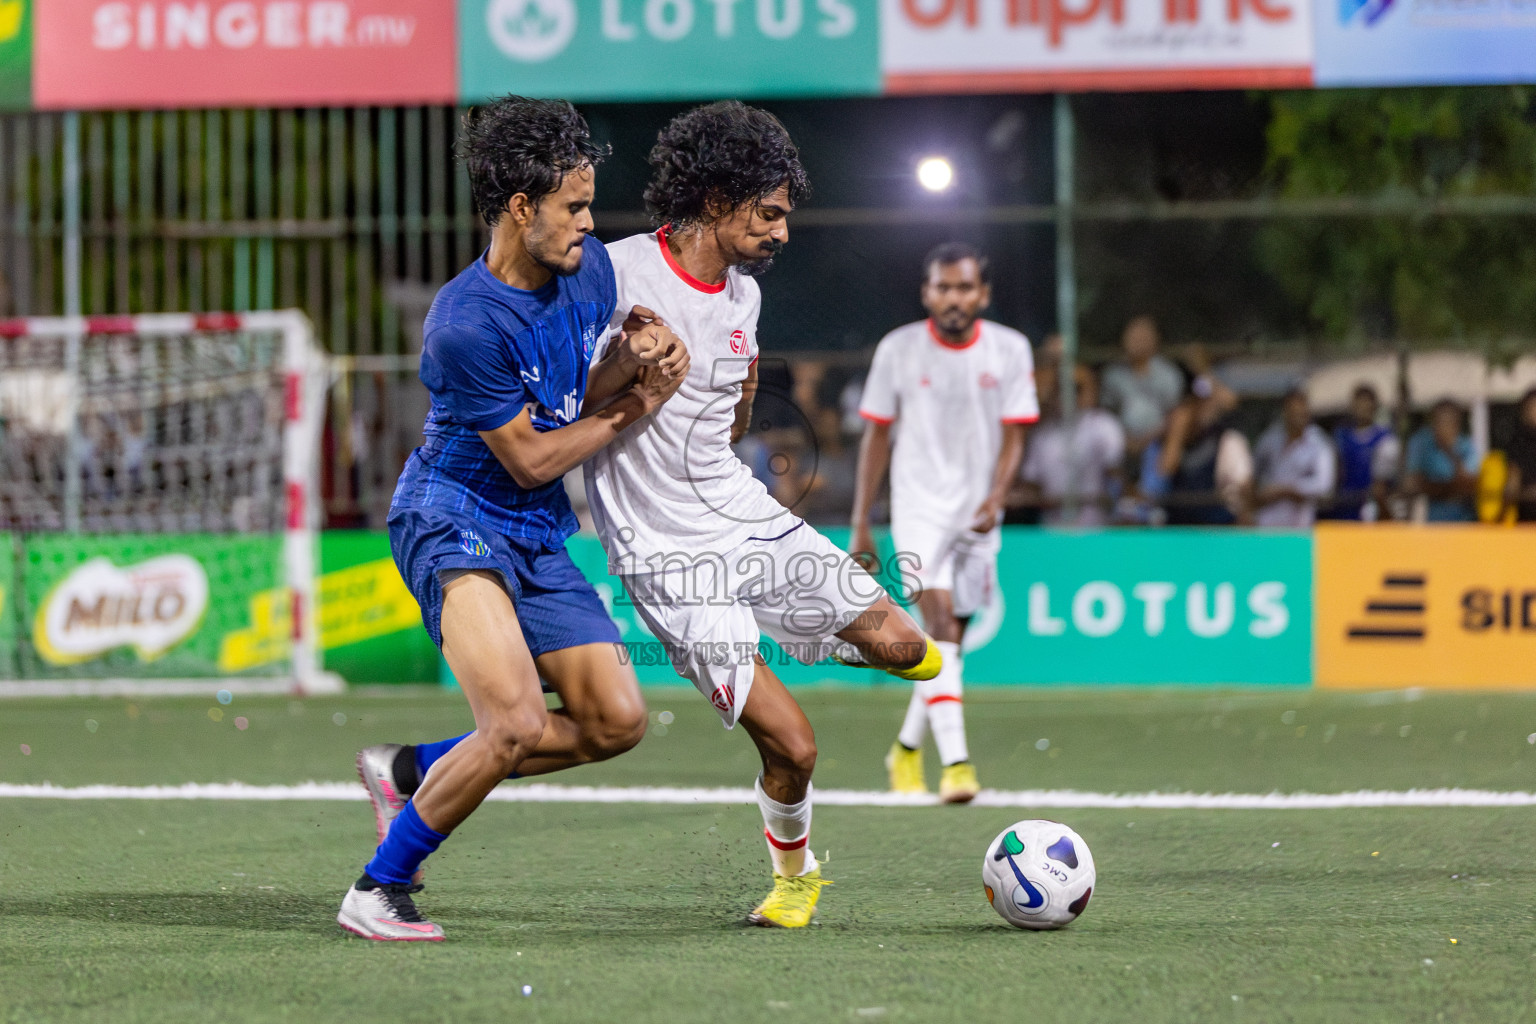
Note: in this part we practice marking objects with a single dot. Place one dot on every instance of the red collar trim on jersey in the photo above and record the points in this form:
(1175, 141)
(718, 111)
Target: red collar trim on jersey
(933, 332)
(677, 268)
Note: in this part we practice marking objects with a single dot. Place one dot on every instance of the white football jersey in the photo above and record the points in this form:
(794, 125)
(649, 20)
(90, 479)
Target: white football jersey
(948, 404)
(671, 485)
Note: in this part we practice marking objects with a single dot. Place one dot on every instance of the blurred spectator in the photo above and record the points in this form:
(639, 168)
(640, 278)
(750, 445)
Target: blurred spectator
(1203, 465)
(1145, 388)
(1522, 461)
(1294, 467)
(1086, 467)
(1369, 453)
(1442, 466)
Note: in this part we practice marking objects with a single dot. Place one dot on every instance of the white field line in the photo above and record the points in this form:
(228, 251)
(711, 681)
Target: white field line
(1028, 798)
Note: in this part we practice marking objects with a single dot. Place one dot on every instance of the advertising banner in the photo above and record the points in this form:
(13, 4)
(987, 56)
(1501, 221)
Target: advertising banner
(151, 606)
(16, 54)
(668, 49)
(8, 661)
(938, 46)
(1116, 608)
(1443, 606)
(211, 53)
(370, 627)
(1166, 606)
(1425, 42)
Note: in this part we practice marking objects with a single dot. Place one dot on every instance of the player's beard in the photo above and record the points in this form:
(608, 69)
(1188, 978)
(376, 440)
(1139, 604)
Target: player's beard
(954, 322)
(759, 267)
(541, 249)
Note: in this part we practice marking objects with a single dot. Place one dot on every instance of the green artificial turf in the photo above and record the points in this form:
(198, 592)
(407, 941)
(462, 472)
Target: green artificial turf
(202, 911)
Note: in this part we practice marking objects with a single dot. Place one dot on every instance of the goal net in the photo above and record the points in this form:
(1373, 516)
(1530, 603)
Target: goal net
(158, 503)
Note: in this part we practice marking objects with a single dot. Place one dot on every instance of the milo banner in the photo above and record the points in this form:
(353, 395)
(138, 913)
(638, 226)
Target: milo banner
(162, 606)
(199, 606)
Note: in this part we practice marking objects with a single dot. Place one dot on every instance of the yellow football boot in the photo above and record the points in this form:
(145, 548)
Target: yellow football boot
(906, 769)
(958, 784)
(925, 669)
(792, 903)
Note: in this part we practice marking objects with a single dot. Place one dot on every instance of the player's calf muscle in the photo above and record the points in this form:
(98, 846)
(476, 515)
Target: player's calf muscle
(887, 636)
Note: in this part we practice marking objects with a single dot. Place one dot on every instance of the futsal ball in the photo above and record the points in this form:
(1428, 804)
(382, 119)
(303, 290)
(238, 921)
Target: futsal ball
(1038, 875)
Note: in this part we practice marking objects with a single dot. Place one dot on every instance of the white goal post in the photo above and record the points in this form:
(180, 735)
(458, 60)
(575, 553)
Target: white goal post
(159, 504)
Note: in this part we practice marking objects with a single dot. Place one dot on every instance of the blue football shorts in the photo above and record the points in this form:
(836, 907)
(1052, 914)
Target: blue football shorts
(556, 606)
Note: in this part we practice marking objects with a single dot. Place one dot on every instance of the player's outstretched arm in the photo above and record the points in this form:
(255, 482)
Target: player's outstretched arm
(874, 459)
(533, 457)
(645, 340)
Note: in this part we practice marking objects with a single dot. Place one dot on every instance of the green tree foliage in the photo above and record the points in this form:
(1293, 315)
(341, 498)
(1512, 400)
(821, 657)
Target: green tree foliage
(1434, 279)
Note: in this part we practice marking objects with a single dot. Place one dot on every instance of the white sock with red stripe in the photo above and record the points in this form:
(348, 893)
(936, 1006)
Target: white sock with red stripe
(914, 728)
(946, 713)
(788, 829)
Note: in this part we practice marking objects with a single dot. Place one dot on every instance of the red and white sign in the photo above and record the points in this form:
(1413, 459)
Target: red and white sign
(1063, 45)
(205, 53)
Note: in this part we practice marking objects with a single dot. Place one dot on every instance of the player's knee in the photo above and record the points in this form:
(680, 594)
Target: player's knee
(514, 734)
(618, 731)
(799, 756)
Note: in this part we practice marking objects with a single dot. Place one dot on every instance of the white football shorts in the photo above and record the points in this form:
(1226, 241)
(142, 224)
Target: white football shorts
(709, 611)
(956, 559)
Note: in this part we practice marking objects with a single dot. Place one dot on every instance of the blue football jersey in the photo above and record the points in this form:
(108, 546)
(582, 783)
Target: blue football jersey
(489, 351)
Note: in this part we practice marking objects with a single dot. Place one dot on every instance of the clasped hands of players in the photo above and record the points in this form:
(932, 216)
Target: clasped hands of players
(658, 357)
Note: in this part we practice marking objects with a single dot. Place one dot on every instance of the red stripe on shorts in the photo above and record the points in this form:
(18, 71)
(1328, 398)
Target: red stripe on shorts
(941, 698)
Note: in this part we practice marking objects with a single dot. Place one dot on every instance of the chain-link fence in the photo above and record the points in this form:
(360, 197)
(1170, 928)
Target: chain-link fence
(1273, 231)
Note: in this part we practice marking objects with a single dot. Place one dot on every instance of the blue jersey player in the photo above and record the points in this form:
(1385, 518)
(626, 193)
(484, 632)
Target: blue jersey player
(479, 518)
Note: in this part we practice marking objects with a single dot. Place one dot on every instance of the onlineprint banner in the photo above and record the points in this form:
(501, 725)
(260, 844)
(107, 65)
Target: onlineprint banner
(667, 49)
(1441, 606)
(1425, 42)
(194, 53)
(16, 54)
(941, 46)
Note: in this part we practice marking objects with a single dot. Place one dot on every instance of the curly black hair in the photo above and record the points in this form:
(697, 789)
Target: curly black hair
(725, 152)
(515, 144)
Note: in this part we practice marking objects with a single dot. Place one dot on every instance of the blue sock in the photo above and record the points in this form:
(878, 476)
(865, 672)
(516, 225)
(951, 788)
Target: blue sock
(427, 754)
(408, 843)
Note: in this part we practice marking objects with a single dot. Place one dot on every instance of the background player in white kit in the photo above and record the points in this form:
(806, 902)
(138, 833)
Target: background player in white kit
(706, 554)
(954, 395)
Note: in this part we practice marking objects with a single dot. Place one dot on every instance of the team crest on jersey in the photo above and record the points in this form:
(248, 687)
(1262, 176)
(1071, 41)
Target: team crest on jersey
(988, 381)
(739, 342)
(723, 697)
(470, 541)
(588, 340)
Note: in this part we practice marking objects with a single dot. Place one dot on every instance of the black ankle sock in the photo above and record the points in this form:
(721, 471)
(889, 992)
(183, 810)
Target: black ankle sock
(407, 777)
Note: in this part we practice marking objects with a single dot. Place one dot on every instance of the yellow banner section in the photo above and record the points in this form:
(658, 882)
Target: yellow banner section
(1437, 606)
(356, 604)
(364, 602)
